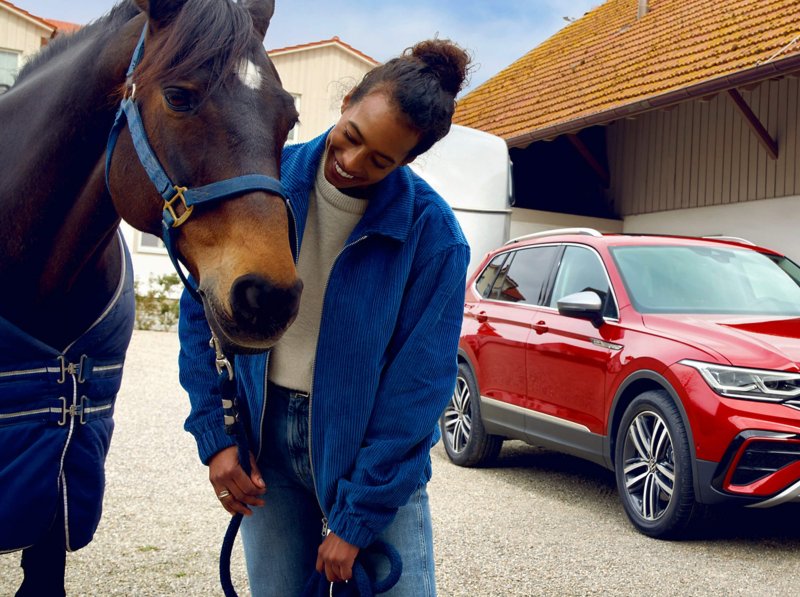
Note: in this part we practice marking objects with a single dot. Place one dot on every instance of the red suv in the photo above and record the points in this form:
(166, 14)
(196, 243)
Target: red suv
(673, 361)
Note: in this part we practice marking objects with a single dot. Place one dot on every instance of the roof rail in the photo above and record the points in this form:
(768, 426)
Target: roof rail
(556, 232)
(731, 239)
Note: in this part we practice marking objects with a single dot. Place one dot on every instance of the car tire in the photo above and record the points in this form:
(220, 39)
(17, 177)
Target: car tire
(465, 439)
(651, 446)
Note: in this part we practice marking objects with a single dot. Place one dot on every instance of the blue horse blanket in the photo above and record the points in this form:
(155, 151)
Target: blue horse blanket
(56, 423)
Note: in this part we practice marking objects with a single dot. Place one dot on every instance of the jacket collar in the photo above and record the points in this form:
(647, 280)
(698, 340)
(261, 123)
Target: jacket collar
(391, 209)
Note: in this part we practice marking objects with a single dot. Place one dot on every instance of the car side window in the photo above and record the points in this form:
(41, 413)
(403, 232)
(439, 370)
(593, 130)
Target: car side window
(488, 275)
(522, 277)
(494, 292)
(581, 270)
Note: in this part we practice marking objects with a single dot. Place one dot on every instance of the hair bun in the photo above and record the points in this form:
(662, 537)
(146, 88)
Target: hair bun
(448, 61)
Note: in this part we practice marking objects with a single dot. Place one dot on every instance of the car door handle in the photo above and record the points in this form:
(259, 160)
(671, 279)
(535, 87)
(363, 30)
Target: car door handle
(540, 327)
(482, 317)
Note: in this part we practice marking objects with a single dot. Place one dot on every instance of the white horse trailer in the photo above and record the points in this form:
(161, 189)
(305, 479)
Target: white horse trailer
(472, 171)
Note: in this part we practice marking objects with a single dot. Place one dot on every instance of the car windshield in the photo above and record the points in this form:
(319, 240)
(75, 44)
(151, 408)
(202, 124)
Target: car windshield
(695, 279)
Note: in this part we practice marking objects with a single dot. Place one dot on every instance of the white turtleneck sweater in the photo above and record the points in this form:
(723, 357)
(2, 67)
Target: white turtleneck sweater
(332, 215)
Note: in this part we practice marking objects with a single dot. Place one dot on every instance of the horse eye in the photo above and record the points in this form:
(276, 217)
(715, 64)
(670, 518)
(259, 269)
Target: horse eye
(177, 99)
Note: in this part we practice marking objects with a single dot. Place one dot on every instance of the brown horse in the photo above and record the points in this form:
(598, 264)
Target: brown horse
(213, 109)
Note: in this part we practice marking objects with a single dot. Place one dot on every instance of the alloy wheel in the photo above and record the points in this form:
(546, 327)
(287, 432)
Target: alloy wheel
(649, 465)
(458, 417)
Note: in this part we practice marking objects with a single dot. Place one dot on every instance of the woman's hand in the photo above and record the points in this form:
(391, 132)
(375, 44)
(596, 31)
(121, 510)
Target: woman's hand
(336, 557)
(225, 473)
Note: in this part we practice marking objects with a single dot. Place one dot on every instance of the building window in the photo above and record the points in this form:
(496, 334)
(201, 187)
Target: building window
(9, 64)
(149, 243)
(292, 138)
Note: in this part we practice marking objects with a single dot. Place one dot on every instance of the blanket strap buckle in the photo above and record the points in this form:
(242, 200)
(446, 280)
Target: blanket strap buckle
(72, 369)
(73, 410)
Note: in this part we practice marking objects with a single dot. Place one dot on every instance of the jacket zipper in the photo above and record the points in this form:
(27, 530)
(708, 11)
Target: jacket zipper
(325, 528)
(266, 366)
(263, 407)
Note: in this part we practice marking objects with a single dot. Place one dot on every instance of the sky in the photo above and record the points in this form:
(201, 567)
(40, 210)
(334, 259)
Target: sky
(496, 32)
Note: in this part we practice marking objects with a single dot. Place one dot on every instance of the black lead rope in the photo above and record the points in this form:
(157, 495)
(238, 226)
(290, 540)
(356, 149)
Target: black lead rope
(234, 427)
(318, 586)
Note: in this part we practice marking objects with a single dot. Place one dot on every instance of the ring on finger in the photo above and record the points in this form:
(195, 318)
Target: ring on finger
(223, 494)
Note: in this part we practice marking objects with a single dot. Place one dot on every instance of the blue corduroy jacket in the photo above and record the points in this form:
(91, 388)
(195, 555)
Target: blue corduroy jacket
(386, 356)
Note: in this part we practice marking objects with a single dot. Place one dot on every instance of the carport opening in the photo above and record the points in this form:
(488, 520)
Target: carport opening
(553, 176)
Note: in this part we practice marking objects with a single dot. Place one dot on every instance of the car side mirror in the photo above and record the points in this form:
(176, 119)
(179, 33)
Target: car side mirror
(583, 305)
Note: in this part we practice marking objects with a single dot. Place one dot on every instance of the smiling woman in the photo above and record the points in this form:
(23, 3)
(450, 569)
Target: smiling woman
(343, 429)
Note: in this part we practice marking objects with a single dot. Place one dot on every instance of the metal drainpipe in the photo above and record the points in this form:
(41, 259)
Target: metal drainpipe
(644, 8)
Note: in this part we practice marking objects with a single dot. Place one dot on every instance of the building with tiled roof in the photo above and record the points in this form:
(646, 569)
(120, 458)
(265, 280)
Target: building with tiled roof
(64, 26)
(334, 41)
(611, 63)
(318, 74)
(21, 35)
(669, 116)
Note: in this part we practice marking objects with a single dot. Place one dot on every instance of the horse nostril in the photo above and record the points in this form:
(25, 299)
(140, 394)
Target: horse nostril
(260, 306)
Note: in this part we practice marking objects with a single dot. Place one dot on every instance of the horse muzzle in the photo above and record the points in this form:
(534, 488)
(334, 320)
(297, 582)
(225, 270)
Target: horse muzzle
(260, 313)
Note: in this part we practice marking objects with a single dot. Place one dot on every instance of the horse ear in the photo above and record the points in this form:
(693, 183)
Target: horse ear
(160, 12)
(261, 11)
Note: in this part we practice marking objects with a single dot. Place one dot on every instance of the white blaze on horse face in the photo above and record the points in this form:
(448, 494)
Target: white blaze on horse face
(249, 74)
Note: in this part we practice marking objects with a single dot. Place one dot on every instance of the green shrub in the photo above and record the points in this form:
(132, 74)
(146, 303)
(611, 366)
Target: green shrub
(156, 309)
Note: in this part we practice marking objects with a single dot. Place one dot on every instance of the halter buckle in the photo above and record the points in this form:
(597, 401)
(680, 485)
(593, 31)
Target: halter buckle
(188, 208)
(130, 87)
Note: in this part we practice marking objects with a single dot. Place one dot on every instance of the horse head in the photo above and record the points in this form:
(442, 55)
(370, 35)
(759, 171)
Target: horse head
(213, 109)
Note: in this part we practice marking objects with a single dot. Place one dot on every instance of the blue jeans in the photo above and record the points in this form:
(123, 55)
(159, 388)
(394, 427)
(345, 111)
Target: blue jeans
(281, 539)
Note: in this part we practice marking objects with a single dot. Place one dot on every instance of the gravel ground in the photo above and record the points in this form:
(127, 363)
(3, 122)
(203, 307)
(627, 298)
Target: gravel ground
(537, 523)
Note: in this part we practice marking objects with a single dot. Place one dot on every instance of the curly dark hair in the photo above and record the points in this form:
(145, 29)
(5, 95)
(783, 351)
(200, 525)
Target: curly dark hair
(423, 84)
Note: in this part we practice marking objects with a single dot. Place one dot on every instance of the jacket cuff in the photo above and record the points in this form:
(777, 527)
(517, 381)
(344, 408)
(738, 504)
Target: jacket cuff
(212, 441)
(345, 527)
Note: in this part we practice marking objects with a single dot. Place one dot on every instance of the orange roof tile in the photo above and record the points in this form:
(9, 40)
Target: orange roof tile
(609, 59)
(63, 26)
(326, 42)
(26, 13)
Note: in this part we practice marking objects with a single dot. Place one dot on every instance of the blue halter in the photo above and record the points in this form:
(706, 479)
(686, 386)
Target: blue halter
(170, 221)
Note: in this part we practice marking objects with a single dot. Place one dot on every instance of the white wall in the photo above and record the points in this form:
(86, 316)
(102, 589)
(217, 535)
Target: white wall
(21, 33)
(770, 223)
(703, 154)
(145, 262)
(528, 221)
(315, 74)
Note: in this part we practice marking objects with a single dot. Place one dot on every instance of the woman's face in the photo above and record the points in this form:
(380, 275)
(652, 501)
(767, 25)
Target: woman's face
(369, 141)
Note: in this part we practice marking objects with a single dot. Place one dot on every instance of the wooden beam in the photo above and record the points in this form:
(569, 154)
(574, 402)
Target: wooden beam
(587, 155)
(755, 124)
(750, 86)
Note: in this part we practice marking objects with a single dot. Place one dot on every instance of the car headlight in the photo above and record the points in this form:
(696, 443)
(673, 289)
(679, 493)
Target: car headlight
(750, 384)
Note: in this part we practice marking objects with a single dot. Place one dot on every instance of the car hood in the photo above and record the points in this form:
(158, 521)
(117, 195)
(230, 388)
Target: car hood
(745, 341)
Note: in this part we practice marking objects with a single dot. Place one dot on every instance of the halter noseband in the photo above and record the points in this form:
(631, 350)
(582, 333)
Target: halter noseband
(171, 193)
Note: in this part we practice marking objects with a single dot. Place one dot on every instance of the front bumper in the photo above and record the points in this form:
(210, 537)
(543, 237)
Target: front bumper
(747, 452)
(760, 469)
